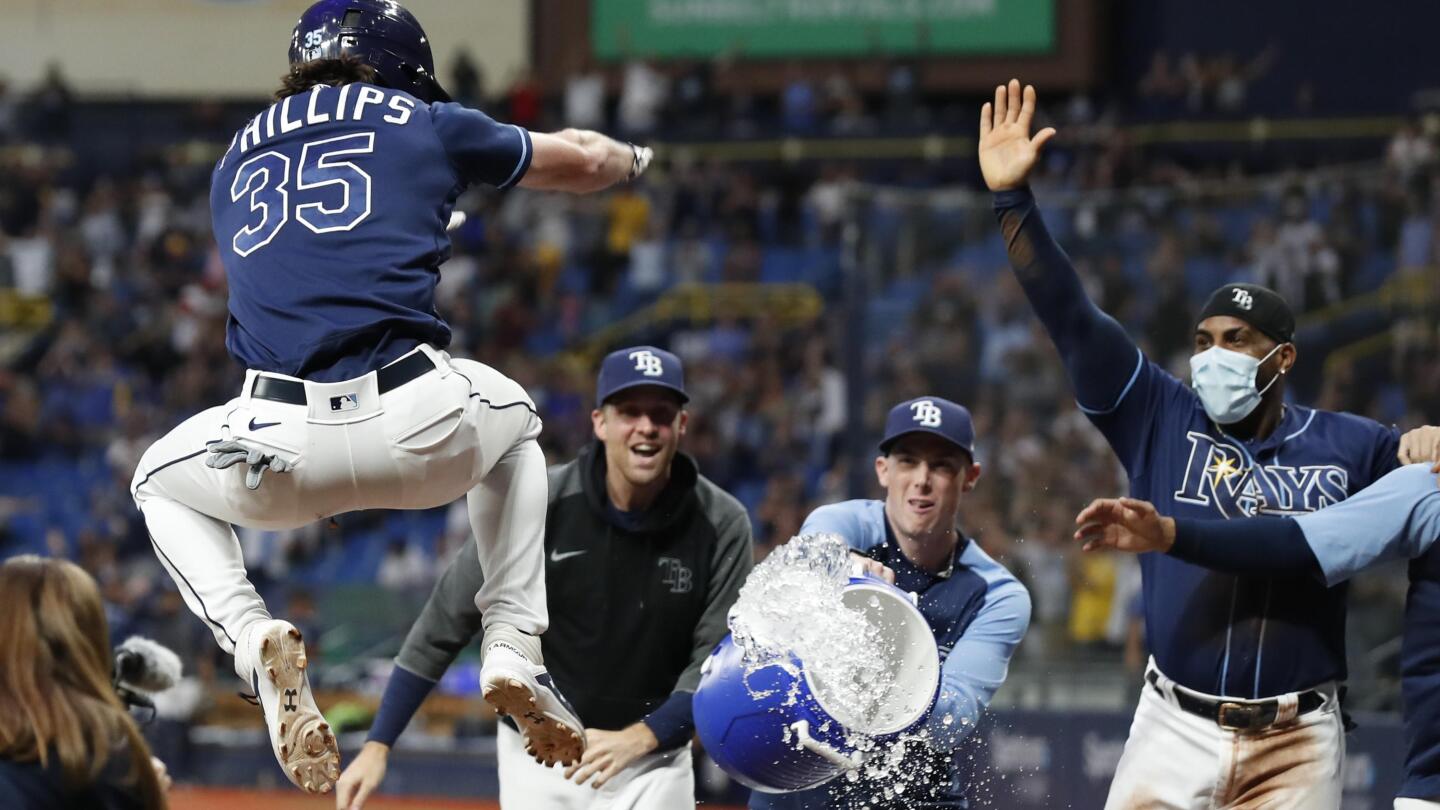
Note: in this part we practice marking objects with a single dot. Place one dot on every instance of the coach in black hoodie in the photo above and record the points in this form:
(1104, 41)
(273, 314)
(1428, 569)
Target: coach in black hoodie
(644, 558)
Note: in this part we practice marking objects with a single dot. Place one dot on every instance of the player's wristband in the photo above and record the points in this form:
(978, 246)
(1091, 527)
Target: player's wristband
(634, 163)
(403, 695)
(639, 160)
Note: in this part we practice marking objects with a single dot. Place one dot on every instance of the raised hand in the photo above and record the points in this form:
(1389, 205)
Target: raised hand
(1123, 524)
(1007, 152)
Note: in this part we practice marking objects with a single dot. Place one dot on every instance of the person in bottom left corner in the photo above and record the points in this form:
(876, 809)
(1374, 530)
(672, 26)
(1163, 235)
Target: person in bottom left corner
(66, 739)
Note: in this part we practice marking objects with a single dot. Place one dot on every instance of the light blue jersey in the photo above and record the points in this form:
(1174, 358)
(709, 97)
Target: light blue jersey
(1397, 518)
(978, 613)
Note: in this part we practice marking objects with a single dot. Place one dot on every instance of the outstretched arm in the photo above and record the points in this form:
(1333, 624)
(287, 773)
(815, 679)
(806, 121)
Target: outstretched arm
(1395, 518)
(581, 161)
(1255, 546)
(1100, 358)
(483, 150)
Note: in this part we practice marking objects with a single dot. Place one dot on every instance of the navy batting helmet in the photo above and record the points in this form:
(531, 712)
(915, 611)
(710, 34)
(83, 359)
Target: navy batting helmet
(380, 33)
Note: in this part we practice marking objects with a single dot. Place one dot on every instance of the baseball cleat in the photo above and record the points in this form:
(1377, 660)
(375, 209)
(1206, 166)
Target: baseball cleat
(302, 741)
(515, 687)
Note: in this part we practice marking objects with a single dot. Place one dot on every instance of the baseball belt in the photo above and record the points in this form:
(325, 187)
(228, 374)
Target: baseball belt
(1251, 715)
(292, 392)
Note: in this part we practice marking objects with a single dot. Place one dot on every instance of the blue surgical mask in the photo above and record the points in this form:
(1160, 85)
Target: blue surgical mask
(1225, 381)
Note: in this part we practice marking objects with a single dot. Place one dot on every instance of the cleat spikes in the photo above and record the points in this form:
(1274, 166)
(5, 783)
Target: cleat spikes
(302, 741)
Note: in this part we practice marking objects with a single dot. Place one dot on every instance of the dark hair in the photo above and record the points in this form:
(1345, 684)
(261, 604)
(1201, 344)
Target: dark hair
(342, 69)
(57, 703)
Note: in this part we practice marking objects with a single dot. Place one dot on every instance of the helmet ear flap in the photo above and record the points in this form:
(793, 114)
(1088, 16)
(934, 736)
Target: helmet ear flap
(421, 84)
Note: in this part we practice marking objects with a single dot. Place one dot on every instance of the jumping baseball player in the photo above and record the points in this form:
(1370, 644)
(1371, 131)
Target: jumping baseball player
(1396, 518)
(977, 610)
(1225, 446)
(646, 557)
(329, 210)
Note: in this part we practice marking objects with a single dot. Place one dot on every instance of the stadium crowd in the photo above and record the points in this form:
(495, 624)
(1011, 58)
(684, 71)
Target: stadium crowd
(134, 338)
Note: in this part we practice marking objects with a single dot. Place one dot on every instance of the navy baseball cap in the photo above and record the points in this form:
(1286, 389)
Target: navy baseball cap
(640, 365)
(930, 415)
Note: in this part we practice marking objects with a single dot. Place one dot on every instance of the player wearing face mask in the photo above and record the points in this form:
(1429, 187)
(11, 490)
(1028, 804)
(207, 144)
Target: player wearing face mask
(1240, 699)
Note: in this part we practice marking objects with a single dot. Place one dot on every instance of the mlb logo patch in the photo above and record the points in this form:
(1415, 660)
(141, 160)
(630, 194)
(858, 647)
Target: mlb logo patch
(344, 402)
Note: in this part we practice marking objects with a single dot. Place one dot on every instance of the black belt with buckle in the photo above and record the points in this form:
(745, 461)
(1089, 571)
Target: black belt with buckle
(292, 392)
(1252, 715)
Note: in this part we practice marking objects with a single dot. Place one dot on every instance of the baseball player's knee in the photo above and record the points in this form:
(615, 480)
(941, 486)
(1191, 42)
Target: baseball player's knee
(140, 481)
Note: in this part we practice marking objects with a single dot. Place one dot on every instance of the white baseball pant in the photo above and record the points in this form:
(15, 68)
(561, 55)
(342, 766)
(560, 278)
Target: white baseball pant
(1416, 804)
(462, 429)
(663, 780)
(1175, 760)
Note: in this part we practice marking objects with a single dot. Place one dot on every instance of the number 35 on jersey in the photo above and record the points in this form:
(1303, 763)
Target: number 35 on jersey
(266, 179)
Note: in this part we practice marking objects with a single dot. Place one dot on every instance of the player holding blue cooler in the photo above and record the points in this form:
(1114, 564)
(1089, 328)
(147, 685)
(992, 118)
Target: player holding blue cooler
(1396, 518)
(976, 609)
(1239, 647)
(330, 210)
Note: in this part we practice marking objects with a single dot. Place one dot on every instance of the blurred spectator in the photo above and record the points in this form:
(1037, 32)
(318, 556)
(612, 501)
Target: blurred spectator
(1092, 586)
(523, 101)
(903, 109)
(628, 220)
(1301, 265)
(467, 81)
(798, 104)
(405, 566)
(1162, 86)
(585, 96)
(9, 112)
(643, 93)
(1410, 151)
(50, 106)
(694, 97)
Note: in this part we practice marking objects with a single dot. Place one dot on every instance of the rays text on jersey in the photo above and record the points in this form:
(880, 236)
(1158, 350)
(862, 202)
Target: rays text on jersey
(1219, 473)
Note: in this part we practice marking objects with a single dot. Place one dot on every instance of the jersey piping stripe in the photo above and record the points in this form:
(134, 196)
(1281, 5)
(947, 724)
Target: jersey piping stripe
(1139, 364)
(1229, 628)
(1260, 643)
(1235, 586)
(203, 610)
(493, 406)
(173, 462)
(524, 157)
(1302, 429)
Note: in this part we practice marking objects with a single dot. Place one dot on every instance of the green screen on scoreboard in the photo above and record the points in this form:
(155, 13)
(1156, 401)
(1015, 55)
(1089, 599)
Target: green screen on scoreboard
(800, 28)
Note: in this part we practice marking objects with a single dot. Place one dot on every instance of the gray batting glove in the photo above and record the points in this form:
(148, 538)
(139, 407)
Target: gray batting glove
(223, 455)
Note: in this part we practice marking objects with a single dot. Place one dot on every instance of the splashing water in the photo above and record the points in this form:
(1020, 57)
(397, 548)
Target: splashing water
(791, 609)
